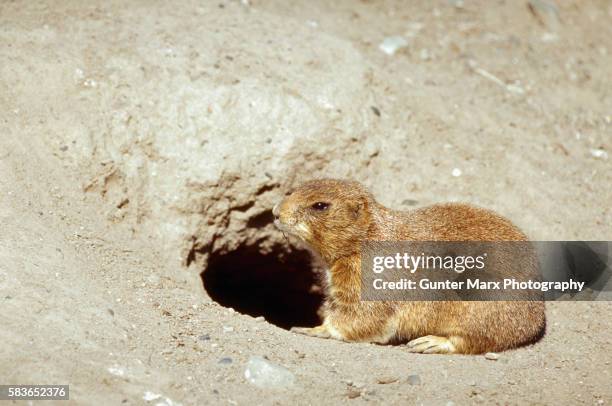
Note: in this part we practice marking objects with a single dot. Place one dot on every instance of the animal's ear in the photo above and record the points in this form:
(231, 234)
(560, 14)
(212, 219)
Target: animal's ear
(357, 208)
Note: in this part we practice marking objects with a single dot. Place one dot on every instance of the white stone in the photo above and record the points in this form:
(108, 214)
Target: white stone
(267, 375)
(599, 153)
(390, 45)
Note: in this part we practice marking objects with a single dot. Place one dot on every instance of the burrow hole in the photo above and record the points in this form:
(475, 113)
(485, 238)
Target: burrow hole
(281, 286)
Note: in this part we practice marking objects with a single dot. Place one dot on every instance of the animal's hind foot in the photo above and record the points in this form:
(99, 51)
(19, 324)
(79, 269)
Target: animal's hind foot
(319, 331)
(431, 345)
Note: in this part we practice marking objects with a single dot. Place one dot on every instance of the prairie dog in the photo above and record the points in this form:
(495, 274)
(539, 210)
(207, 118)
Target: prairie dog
(334, 216)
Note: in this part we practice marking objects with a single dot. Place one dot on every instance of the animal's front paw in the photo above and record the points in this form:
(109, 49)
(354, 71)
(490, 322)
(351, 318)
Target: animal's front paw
(431, 345)
(319, 331)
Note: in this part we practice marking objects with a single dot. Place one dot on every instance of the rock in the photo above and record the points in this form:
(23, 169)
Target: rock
(549, 37)
(456, 172)
(353, 393)
(149, 396)
(267, 375)
(225, 360)
(204, 337)
(599, 153)
(357, 385)
(228, 329)
(160, 400)
(424, 54)
(493, 356)
(413, 380)
(410, 202)
(391, 45)
(386, 379)
(545, 12)
(117, 371)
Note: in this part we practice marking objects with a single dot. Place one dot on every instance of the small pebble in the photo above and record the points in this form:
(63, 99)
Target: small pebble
(492, 356)
(546, 12)
(228, 329)
(116, 371)
(90, 83)
(357, 385)
(456, 172)
(390, 45)
(386, 379)
(599, 153)
(149, 396)
(204, 337)
(161, 400)
(225, 360)
(413, 380)
(353, 393)
(410, 202)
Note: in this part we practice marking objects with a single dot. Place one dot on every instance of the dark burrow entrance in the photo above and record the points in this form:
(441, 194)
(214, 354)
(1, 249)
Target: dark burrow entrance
(280, 286)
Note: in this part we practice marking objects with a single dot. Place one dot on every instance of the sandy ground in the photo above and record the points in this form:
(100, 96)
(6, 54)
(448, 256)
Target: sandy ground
(520, 102)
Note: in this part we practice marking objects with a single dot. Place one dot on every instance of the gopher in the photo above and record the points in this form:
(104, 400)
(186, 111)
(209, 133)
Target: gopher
(334, 217)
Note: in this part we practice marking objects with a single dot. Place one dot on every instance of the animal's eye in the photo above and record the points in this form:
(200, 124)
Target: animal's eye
(320, 206)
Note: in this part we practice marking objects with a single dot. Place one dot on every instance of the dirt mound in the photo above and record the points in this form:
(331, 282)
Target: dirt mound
(143, 146)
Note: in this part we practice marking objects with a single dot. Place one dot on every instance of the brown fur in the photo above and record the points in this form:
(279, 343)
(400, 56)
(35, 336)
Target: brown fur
(446, 327)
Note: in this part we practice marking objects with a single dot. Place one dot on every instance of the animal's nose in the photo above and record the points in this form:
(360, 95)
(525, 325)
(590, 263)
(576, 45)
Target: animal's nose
(276, 210)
